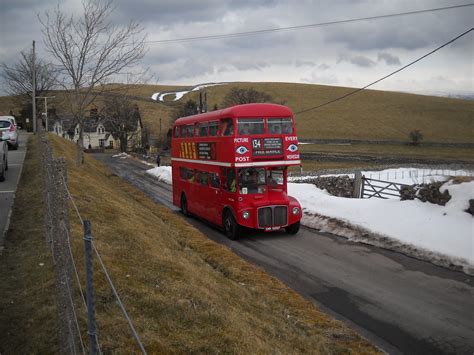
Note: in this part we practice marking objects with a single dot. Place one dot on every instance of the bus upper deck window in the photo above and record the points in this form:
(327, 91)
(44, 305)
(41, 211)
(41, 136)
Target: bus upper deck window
(176, 131)
(202, 129)
(213, 128)
(247, 126)
(189, 130)
(280, 126)
(226, 127)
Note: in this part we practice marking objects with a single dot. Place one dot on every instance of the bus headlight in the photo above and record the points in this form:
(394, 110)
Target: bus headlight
(296, 210)
(246, 214)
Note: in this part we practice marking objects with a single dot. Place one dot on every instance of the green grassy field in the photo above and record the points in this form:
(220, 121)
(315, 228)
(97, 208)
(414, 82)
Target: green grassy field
(184, 293)
(391, 150)
(368, 115)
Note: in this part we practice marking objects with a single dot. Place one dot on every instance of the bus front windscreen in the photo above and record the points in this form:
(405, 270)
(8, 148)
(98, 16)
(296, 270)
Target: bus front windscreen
(251, 180)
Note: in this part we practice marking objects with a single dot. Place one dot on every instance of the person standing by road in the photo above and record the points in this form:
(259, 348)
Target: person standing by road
(158, 159)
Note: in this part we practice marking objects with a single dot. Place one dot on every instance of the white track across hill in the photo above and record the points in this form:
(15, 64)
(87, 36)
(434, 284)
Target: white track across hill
(159, 96)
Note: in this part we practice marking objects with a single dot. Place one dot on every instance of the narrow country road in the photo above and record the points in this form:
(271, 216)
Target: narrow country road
(8, 187)
(401, 304)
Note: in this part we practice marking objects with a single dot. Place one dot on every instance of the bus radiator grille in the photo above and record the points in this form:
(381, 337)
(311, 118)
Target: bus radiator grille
(272, 216)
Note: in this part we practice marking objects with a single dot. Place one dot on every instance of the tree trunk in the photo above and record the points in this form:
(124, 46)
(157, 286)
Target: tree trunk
(123, 142)
(80, 148)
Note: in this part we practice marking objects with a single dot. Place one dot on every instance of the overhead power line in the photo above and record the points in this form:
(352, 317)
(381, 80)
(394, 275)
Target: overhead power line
(386, 76)
(291, 28)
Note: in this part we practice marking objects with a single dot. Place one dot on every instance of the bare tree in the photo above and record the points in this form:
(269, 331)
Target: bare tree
(18, 78)
(238, 96)
(122, 118)
(89, 52)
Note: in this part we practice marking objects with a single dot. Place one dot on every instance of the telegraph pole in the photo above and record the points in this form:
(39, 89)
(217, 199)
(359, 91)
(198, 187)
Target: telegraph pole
(33, 70)
(46, 108)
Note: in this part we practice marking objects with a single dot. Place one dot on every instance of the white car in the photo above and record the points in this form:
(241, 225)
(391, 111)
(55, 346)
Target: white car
(3, 158)
(10, 118)
(9, 131)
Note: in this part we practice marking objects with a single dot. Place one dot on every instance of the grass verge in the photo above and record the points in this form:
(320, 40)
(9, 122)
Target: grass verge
(184, 293)
(28, 316)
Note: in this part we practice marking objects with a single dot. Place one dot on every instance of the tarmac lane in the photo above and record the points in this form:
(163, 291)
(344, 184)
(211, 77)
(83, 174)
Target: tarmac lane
(9, 186)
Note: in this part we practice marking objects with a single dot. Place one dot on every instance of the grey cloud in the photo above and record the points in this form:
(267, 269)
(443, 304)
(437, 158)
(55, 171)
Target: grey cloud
(388, 58)
(358, 60)
(184, 69)
(362, 61)
(304, 63)
(323, 66)
(172, 12)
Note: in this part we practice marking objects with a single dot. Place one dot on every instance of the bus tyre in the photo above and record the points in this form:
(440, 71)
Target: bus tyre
(184, 205)
(231, 228)
(293, 228)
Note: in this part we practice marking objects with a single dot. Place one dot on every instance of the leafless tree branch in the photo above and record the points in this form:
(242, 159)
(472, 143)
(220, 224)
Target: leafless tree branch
(90, 52)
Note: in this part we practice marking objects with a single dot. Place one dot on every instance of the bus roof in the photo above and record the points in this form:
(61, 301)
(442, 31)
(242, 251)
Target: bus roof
(247, 110)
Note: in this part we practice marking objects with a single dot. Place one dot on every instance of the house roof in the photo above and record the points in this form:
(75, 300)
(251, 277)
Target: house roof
(91, 122)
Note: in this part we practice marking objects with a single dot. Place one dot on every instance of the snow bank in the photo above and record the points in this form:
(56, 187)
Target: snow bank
(162, 173)
(446, 230)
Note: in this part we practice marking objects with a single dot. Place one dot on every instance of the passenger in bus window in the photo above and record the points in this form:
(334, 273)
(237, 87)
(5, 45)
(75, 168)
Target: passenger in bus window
(277, 129)
(245, 129)
(229, 129)
(214, 180)
(286, 128)
(224, 127)
(230, 181)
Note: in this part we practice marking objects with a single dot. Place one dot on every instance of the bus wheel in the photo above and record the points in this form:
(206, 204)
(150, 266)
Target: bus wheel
(232, 229)
(293, 228)
(184, 205)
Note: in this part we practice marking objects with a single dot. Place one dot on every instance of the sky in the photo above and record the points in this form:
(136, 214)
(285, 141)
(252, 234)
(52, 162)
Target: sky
(351, 54)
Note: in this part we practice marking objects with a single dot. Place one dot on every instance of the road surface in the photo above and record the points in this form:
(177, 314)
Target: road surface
(8, 187)
(401, 304)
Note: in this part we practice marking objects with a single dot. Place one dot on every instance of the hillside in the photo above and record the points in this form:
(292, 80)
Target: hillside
(367, 115)
(184, 293)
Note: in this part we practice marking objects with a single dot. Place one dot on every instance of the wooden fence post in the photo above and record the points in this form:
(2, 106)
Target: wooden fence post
(356, 193)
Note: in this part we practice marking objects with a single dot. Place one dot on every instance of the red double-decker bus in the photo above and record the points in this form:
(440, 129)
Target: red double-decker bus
(230, 167)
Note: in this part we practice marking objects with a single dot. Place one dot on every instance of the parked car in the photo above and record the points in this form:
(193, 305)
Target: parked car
(9, 131)
(10, 118)
(3, 157)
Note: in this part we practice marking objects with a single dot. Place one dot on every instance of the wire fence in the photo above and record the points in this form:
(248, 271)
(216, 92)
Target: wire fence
(72, 326)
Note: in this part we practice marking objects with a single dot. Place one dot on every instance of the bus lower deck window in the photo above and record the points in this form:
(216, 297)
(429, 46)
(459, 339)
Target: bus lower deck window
(214, 180)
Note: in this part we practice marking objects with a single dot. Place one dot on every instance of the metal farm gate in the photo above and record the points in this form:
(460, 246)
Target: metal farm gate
(379, 188)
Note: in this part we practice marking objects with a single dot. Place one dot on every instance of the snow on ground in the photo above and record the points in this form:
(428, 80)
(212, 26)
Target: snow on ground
(120, 155)
(159, 96)
(408, 176)
(441, 234)
(162, 173)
